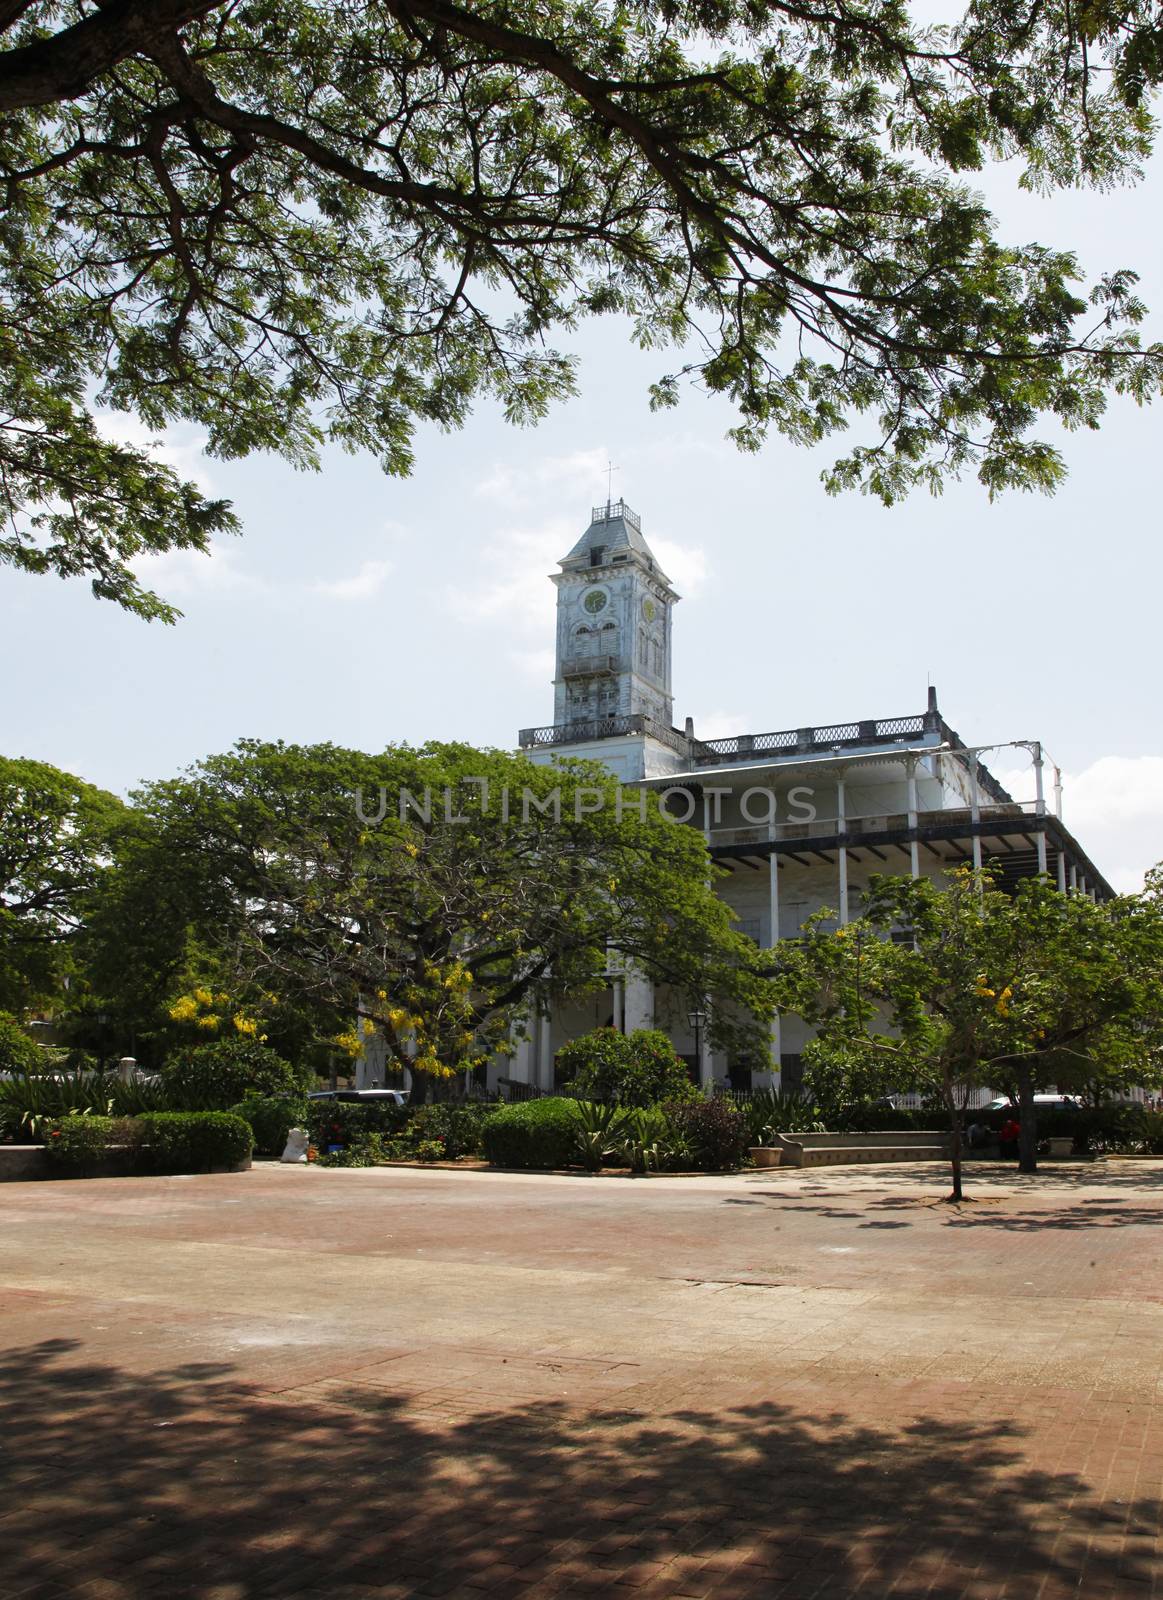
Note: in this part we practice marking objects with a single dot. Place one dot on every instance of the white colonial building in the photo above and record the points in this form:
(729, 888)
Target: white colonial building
(799, 818)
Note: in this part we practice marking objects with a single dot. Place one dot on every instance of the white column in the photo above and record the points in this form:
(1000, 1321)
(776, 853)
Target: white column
(1061, 873)
(773, 939)
(638, 1001)
(1040, 807)
(974, 809)
(706, 1077)
(1074, 877)
(619, 1004)
(914, 847)
(545, 1053)
(842, 854)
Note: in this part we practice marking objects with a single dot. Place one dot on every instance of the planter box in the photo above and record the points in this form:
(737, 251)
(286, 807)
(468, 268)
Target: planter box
(1061, 1147)
(764, 1156)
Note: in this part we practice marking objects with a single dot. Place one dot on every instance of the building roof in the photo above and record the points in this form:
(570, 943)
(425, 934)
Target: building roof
(613, 528)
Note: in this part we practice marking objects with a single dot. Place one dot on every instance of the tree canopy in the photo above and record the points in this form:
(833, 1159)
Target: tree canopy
(982, 988)
(292, 221)
(57, 834)
(431, 897)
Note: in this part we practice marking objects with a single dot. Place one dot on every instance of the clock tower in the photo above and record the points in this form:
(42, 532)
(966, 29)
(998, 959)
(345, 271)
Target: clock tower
(614, 608)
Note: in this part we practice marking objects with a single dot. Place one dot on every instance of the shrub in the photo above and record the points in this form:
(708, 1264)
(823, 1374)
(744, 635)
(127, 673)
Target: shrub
(350, 1123)
(651, 1144)
(192, 1141)
(458, 1127)
(715, 1132)
(772, 1111)
(535, 1134)
(271, 1119)
(210, 1077)
(626, 1069)
(30, 1103)
(17, 1051)
(81, 1144)
(599, 1133)
(1153, 1132)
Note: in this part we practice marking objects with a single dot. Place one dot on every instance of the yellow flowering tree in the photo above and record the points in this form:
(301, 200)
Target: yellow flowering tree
(984, 987)
(431, 897)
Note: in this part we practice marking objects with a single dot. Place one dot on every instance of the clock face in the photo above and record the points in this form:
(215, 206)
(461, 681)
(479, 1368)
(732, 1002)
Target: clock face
(596, 600)
(649, 609)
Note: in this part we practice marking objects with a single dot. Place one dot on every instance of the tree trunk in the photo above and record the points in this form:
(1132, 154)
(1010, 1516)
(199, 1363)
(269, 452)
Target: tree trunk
(1028, 1121)
(954, 1138)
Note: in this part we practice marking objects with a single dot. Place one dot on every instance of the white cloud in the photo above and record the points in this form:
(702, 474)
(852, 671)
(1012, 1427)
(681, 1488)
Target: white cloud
(513, 583)
(182, 447)
(583, 472)
(184, 572)
(366, 583)
(685, 565)
(1114, 808)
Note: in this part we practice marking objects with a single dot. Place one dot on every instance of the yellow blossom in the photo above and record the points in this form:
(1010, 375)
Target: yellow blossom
(246, 1025)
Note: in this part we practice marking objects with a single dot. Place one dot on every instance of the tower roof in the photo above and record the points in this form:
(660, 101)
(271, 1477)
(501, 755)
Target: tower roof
(613, 528)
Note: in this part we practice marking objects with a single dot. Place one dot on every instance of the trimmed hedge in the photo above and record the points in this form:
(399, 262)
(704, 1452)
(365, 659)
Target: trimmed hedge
(209, 1077)
(192, 1141)
(536, 1133)
(162, 1141)
(82, 1144)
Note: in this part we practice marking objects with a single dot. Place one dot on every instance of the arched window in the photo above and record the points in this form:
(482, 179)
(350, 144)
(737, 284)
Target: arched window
(609, 640)
(584, 641)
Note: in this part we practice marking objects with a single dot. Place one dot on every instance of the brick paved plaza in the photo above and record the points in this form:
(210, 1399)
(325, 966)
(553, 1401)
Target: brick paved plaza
(405, 1382)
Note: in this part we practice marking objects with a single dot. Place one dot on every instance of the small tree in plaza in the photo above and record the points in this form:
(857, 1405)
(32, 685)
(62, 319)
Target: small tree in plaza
(626, 1069)
(987, 986)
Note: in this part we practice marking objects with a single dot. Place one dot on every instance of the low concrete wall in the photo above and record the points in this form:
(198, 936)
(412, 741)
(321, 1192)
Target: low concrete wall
(858, 1149)
(22, 1163)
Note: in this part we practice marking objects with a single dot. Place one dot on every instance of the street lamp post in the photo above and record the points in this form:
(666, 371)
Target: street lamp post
(697, 1020)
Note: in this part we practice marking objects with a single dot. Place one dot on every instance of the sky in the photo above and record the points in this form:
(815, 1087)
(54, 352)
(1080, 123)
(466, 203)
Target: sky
(367, 610)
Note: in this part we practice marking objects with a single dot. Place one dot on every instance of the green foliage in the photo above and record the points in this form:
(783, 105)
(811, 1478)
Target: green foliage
(18, 1053)
(29, 1104)
(271, 1119)
(216, 1075)
(82, 1144)
(539, 1134)
(289, 224)
(599, 1133)
(1152, 1132)
(56, 835)
(714, 1132)
(772, 1111)
(650, 1142)
(458, 1129)
(462, 926)
(627, 1069)
(993, 988)
(192, 1141)
(350, 1123)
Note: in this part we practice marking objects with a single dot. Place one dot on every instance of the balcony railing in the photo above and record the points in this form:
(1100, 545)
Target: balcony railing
(806, 741)
(591, 666)
(582, 731)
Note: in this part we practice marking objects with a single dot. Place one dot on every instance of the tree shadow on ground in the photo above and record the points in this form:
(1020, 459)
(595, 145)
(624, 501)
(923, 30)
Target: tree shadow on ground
(1085, 1214)
(190, 1483)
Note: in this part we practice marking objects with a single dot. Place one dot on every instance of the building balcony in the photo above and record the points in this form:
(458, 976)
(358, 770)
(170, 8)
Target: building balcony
(591, 666)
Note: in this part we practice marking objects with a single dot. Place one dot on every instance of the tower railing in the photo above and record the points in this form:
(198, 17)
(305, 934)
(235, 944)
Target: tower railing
(612, 510)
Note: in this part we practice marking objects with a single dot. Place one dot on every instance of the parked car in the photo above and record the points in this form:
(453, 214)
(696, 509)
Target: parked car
(391, 1097)
(1042, 1102)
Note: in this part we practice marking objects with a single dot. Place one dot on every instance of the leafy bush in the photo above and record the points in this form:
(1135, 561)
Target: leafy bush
(192, 1141)
(650, 1143)
(599, 1133)
(17, 1051)
(350, 1123)
(210, 1077)
(271, 1119)
(81, 1144)
(458, 1127)
(626, 1069)
(772, 1111)
(29, 1104)
(1153, 1132)
(714, 1131)
(535, 1134)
